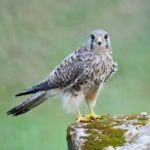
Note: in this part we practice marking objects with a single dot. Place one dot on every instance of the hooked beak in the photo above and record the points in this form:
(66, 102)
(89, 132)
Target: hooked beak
(99, 40)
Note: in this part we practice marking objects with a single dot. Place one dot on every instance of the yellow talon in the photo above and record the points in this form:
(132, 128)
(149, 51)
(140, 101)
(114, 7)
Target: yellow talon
(89, 117)
(81, 119)
(92, 117)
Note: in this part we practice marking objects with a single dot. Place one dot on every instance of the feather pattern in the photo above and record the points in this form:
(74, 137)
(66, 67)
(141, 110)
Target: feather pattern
(30, 103)
(81, 74)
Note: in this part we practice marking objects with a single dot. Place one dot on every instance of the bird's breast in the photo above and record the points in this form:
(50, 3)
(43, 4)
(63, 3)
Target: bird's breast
(96, 72)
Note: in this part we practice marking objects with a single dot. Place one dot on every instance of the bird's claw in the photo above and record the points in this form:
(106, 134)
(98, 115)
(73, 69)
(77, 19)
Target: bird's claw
(92, 117)
(87, 118)
(81, 119)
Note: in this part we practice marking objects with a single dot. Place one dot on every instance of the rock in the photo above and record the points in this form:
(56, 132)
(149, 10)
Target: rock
(122, 132)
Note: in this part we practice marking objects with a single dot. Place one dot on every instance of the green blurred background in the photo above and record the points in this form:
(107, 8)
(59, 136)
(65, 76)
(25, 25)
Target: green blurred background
(35, 35)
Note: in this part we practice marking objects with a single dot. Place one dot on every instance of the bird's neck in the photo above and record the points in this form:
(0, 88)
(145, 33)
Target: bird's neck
(101, 52)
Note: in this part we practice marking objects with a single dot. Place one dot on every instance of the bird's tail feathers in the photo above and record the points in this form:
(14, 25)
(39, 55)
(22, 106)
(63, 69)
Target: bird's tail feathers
(26, 92)
(41, 86)
(30, 103)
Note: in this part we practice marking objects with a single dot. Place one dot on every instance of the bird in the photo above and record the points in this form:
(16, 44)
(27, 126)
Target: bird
(78, 78)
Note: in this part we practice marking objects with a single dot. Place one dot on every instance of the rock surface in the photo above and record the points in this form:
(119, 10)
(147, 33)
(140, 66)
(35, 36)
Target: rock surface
(123, 132)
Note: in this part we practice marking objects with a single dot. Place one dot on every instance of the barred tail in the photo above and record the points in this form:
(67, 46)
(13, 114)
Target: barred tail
(30, 103)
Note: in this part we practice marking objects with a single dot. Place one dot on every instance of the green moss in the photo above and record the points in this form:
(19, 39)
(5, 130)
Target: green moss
(139, 123)
(102, 134)
(141, 120)
(131, 117)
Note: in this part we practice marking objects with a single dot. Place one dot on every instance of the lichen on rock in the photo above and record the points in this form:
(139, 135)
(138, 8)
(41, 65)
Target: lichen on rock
(110, 133)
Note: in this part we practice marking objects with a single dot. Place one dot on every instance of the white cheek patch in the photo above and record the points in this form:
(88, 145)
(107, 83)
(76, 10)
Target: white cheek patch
(108, 41)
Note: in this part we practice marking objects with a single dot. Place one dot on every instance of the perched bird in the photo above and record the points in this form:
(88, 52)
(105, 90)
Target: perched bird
(79, 77)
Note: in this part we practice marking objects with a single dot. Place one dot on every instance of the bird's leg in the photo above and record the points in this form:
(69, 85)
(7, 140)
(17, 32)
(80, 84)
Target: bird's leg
(91, 114)
(80, 118)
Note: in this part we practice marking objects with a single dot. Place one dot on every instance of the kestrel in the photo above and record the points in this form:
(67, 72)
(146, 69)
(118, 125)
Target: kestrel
(79, 77)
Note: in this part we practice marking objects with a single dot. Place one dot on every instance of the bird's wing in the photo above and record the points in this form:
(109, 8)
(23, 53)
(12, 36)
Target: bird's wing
(114, 69)
(64, 75)
(68, 73)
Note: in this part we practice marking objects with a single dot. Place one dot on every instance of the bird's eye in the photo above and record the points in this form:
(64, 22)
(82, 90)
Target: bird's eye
(92, 36)
(106, 36)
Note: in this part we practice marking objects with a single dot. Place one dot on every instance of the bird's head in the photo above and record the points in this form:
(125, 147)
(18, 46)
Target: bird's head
(99, 41)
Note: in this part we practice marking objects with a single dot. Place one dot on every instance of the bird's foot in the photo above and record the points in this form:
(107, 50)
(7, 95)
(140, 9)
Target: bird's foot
(81, 119)
(91, 117)
(88, 117)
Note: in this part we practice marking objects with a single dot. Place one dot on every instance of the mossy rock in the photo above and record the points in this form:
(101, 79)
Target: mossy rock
(108, 131)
